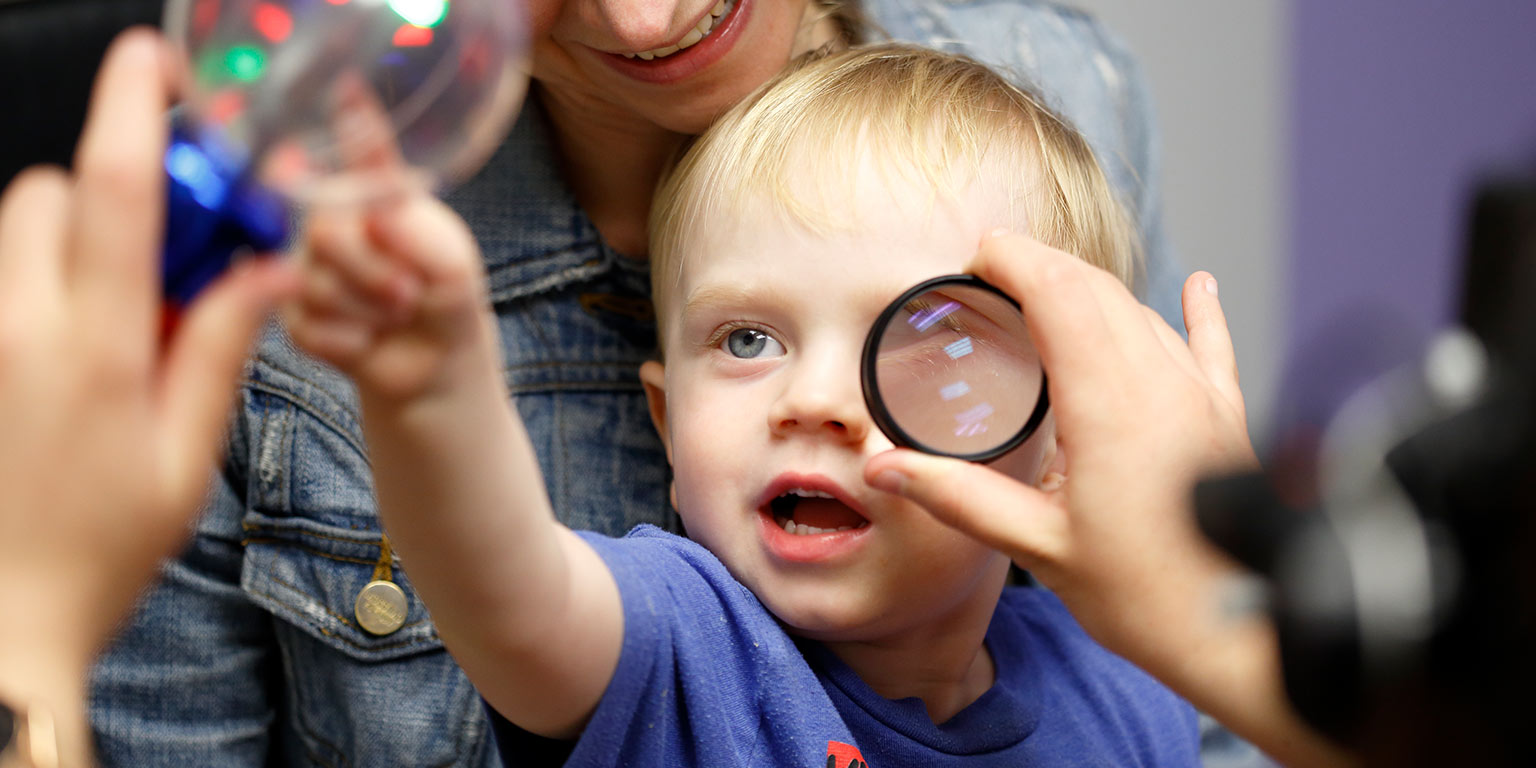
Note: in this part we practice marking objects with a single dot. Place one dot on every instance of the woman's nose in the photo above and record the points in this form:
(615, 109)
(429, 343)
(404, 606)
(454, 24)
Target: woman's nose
(643, 25)
(821, 397)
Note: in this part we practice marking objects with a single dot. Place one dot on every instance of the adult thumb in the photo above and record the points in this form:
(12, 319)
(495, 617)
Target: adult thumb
(204, 361)
(987, 505)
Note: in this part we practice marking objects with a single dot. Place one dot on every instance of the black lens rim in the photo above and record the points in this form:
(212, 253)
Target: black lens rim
(876, 404)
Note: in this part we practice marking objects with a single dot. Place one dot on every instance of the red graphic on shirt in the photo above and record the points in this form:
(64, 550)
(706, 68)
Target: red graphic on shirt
(840, 755)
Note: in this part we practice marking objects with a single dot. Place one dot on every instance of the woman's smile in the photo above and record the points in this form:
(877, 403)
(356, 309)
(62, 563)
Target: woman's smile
(703, 44)
(706, 25)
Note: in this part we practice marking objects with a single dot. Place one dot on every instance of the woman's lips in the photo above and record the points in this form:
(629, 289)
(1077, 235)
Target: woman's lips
(689, 61)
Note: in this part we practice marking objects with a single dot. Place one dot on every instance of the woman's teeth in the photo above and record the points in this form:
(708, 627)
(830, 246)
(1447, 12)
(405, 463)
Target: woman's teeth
(705, 26)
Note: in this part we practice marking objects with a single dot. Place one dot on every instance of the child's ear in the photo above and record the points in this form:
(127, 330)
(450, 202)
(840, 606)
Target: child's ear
(653, 376)
(1053, 474)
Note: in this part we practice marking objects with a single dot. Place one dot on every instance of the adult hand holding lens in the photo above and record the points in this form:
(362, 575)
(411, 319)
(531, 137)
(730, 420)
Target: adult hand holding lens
(949, 369)
(1140, 413)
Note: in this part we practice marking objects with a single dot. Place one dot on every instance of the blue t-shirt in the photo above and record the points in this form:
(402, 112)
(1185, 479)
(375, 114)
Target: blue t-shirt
(707, 677)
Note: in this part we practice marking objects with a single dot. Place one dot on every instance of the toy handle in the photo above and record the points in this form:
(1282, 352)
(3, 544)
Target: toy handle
(213, 209)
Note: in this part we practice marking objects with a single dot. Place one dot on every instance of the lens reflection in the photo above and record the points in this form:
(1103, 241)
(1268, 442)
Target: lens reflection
(955, 370)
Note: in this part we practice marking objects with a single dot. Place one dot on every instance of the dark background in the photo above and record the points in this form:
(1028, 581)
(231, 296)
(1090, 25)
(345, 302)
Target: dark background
(49, 51)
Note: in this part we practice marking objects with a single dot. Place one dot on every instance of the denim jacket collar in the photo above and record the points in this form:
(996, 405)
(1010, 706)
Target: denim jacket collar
(534, 236)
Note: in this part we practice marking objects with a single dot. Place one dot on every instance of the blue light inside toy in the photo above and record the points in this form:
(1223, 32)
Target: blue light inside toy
(214, 209)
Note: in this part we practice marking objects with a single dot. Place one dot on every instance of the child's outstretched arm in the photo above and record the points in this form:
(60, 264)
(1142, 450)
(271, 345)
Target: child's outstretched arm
(1140, 416)
(395, 297)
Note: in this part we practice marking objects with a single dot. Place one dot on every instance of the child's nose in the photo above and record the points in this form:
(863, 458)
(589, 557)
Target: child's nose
(821, 397)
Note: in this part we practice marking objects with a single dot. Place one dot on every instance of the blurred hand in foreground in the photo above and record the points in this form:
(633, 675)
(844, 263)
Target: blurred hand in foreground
(110, 432)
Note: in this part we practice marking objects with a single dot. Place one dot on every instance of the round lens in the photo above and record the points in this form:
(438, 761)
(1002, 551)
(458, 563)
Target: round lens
(949, 369)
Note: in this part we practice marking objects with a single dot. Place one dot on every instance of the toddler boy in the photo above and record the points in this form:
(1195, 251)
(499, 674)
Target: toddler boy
(809, 619)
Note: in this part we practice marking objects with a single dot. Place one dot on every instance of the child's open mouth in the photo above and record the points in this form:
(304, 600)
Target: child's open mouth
(810, 518)
(803, 512)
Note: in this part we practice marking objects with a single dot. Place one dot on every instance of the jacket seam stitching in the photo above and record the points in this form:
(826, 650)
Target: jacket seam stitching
(378, 543)
(311, 550)
(311, 409)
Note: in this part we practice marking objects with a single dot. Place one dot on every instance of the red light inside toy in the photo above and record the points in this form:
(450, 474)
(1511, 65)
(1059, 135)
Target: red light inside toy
(225, 106)
(410, 36)
(204, 14)
(272, 22)
(476, 59)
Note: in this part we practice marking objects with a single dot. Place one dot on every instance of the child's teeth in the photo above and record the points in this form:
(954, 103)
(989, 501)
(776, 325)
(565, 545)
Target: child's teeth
(804, 494)
(699, 32)
(800, 529)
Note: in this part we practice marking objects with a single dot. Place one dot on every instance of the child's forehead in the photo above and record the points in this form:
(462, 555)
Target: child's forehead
(880, 211)
(764, 256)
(838, 225)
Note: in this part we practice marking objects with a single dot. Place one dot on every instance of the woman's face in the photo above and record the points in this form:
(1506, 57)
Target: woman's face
(614, 60)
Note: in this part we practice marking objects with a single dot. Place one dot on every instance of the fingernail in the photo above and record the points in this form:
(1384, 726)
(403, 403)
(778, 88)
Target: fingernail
(1000, 231)
(890, 481)
(138, 43)
(1210, 285)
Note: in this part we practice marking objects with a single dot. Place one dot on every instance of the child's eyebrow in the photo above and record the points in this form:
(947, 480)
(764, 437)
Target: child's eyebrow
(718, 296)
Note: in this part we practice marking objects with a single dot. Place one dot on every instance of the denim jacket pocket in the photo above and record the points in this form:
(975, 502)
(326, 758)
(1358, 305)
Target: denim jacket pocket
(355, 698)
(311, 542)
(311, 531)
(311, 574)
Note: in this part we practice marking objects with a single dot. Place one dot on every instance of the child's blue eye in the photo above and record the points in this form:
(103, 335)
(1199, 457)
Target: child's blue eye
(750, 343)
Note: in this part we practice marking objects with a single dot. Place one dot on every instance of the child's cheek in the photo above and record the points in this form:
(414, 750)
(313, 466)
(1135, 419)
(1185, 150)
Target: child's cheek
(1037, 458)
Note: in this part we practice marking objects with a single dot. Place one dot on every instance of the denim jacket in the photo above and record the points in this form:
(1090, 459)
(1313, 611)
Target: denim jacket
(250, 651)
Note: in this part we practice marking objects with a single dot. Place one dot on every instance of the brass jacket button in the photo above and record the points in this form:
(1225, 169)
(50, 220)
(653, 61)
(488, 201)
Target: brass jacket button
(381, 607)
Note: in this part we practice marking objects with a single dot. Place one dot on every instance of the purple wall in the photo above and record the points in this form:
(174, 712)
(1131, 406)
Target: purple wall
(1397, 107)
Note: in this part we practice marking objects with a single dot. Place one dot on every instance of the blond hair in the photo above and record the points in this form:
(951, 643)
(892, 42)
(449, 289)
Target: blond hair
(927, 116)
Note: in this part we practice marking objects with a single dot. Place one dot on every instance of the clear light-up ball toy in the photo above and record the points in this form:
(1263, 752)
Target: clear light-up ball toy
(291, 102)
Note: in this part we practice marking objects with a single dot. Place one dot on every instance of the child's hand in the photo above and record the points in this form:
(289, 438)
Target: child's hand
(393, 288)
(393, 295)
